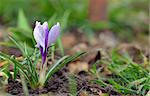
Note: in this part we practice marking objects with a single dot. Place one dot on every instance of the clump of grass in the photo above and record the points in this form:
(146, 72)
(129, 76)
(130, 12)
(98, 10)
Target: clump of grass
(127, 77)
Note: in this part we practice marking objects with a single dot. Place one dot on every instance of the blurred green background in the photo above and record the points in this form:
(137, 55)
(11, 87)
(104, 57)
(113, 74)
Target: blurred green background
(125, 17)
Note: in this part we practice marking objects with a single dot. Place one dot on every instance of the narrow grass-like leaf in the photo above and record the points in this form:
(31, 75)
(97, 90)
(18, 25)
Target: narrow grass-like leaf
(6, 43)
(22, 21)
(60, 63)
(100, 82)
(60, 45)
(28, 58)
(15, 71)
(72, 58)
(52, 20)
(18, 45)
(64, 20)
(30, 65)
(5, 69)
(72, 85)
(22, 35)
(53, 68)
(15, 62)
(18, 33)
(121, 89)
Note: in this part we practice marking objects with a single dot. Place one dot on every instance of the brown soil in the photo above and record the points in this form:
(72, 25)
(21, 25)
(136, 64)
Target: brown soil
(58, 84)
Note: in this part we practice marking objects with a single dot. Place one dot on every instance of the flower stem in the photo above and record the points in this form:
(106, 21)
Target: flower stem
(42, 75)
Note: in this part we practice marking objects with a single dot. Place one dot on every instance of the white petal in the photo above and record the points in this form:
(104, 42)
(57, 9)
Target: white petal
(39, 34)
(45, 26)
(53, 34)
(37, 23)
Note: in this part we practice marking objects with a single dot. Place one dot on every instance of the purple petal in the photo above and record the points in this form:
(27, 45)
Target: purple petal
(44, 58)
(45, 27)
(43, 54)
(39, 35)
(53, 34)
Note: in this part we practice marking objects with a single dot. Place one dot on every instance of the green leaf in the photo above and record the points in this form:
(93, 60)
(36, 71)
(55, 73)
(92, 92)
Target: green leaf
(64, 20)
(52, 69)
(5, 69)
(120, 88)
(93, 69)
(22, 21)
(15, 62)
(59, 41)
(72, 85)
(20, 33)
(60, 63)
(52, 20)
(18, 45)
(15, 71)
(100, 82)
(6, 43)
(35, 56)
(32, 68)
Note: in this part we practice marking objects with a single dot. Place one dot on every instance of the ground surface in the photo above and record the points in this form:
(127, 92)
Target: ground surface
(98, 48)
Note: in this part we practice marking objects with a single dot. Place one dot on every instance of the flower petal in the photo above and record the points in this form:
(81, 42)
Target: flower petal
(46, 30)
(45, 26)
(39, 34)
(37, 23)
(53, 34)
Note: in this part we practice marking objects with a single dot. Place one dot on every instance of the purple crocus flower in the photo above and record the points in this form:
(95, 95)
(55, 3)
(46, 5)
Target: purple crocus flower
(45, 37)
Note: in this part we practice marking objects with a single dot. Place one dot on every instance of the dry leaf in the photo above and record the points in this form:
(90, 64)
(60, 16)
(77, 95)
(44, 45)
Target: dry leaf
(76, 67)
(134, 51)
(68, 40)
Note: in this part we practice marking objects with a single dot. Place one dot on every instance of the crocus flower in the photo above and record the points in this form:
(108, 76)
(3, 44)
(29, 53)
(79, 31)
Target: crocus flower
(44, 37)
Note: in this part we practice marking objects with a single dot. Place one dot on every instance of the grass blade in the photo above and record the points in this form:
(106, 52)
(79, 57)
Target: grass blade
(72, 85)
(17, 44)
(15, 62)
(52, 69)
(60, 63)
